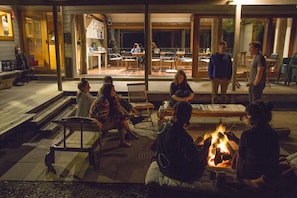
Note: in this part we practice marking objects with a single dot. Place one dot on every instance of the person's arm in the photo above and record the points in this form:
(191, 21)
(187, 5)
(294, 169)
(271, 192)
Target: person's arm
(192, 95)
(179, 99)
(230, 67)
(210, 68)
(172, 93)
(260, 71)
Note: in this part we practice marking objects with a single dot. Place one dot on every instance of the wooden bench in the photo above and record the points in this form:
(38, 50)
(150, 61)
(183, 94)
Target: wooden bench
(207, 110)
(6, 79)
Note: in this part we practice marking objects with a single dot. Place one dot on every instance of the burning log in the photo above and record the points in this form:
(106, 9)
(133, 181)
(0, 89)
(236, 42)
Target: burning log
(199, 139)
(231, 150)
(226, 157)
(218, 156)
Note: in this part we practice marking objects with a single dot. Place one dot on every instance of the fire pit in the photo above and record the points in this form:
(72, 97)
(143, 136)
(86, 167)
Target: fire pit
(220, 152)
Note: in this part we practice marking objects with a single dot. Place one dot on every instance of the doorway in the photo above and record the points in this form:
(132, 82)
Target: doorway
(39, 40)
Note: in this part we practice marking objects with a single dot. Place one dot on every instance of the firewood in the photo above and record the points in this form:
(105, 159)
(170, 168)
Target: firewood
(218, 156)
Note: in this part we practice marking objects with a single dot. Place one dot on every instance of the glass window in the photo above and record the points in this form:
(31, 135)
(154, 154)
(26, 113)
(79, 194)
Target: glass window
(6, 31)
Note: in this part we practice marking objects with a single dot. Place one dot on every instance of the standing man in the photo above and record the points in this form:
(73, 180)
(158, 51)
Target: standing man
(220, 72)
(257, 75)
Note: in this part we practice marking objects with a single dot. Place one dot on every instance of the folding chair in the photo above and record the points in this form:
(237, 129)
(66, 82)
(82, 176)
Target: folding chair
(137, 97)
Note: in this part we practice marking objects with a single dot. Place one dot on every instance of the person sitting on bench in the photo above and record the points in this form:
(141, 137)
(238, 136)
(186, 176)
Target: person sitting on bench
(21, 64)
(107, 110)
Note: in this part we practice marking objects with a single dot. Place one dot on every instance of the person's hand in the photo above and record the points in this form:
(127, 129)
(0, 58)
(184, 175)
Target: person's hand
(247, 84)
(231, 136)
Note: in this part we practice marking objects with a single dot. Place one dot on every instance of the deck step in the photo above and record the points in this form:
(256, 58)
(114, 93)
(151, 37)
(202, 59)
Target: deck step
(9, 123)
(46, 114)
(51, 127)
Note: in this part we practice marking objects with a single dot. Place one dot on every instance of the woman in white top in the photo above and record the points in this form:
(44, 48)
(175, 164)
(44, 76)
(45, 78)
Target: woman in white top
(83, 98)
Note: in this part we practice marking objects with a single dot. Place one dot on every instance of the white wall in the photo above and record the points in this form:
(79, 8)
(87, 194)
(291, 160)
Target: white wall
(245, 37)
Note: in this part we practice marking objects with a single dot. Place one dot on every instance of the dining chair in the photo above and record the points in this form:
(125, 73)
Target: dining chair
(137, 97)
(168, 58)
(115, 57)
(129, 59)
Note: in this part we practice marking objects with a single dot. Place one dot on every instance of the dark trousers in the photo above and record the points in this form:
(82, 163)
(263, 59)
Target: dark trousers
(255, 92)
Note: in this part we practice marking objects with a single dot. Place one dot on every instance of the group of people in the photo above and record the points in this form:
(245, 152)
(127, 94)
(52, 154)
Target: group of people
(220, 72)
(106, 108)
(179, 157)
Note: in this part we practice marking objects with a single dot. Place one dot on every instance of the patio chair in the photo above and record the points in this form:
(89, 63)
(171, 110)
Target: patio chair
(283, 67)
(168, 58)
(186, 60)
(115, 57)
(137, 97)
(129, 59)
(156, 60)
(291, 74)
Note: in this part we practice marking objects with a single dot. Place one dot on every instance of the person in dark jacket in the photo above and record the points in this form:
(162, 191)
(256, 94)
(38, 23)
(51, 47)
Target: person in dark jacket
(220, 72)
(177, 155)
(259, 151)
(22, 65)
(180, 90)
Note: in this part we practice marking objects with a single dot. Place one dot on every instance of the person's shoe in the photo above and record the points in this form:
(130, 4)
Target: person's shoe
(125, 144)
(132, 135)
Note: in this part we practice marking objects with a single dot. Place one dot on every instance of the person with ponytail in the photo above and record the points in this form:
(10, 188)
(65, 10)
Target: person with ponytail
(259, 152)
(107, 110)
(83, 98)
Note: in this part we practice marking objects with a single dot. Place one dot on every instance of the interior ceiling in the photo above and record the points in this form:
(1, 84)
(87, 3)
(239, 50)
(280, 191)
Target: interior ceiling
(134, 18)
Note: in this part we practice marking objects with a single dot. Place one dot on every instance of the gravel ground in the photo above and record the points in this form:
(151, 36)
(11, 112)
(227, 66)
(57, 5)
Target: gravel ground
(34, 189)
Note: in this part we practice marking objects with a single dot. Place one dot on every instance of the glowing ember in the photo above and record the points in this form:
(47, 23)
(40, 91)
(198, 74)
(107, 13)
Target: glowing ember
(220, 151)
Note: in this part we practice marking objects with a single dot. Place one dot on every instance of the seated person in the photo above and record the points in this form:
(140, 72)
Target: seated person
(110, 113)
(259, 151)
(21, 64)
(180, 90)
(83, 98)
(177, 155)
(155, 48)
(135, 117)
(136, 48)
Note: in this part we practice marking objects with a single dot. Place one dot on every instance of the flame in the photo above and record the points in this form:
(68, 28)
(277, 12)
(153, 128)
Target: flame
(219, 141)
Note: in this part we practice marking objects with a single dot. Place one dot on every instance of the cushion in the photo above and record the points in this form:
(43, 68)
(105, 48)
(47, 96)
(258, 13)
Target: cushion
(207, 182)
(222, 180)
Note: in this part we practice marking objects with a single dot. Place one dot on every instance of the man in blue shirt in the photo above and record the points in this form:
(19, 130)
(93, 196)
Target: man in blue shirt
(220, 72)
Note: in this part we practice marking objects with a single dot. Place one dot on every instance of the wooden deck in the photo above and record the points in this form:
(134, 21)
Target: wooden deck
(21, 104)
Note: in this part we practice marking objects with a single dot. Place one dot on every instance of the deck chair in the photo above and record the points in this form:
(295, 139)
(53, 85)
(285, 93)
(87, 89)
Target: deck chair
(70, 126)
(137, 97)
